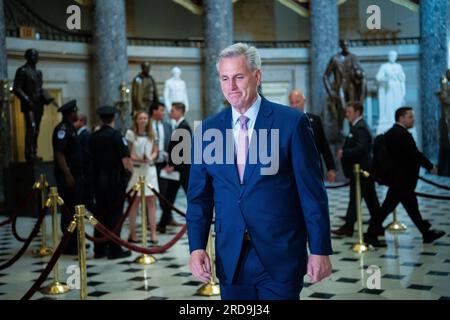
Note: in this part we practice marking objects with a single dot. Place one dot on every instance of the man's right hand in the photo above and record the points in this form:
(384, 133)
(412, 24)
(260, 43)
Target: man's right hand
(200, 265)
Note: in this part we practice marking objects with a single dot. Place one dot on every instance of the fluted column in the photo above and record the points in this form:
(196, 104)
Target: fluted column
(433, 64)
(324, 37)
(218, 28)
(110, 54)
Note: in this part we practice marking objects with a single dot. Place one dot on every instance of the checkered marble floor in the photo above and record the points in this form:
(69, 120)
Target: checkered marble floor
(407, 268)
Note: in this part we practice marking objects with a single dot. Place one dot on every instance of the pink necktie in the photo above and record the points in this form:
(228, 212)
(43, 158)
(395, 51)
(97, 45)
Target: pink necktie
(242, 147)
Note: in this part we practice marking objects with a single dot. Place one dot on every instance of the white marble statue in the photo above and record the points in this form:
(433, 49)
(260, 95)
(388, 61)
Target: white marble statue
(391, 91)
(175, 90)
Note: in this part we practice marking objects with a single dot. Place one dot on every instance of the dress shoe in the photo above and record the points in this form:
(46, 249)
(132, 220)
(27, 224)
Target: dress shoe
(376, 231)
(432, 235)
(175, 223)
(343, 231)
(98, 255)
(130, 240)
(161, 229)
(373, 241)
(154, 242)
(119, 255)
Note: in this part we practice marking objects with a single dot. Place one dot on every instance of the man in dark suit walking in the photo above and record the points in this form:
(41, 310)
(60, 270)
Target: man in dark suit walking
(181, 127)
(297, 100)
(357, 150)
(407, 160)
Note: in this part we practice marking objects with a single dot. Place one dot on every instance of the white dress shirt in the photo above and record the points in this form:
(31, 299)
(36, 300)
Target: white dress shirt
(251, 114)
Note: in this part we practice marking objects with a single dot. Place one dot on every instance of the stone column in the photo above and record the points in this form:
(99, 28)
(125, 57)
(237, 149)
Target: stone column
(433, 64)
(5, 126)
(218, 26)
(324, 39)
(110, 55)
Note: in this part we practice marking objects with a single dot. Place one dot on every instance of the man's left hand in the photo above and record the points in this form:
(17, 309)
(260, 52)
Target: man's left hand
(319, 267)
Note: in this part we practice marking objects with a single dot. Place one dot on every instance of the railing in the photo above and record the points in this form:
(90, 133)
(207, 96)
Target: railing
(189, 43)
(18, 13)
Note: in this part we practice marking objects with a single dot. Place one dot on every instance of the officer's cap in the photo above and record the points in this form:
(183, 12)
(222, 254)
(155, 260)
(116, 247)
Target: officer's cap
(68, 107)
(106, 111)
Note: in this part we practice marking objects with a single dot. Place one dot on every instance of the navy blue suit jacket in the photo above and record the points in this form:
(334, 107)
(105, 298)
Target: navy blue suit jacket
(281, 212)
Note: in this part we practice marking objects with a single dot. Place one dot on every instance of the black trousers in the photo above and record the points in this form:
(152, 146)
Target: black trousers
(71, 198)
(108, 212)
(171, 194)
(32, 126)
(368, 193)
(409, 201)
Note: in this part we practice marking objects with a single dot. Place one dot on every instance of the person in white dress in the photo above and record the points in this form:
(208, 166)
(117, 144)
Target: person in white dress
(391, 91)
(144, 150)
(175, 90)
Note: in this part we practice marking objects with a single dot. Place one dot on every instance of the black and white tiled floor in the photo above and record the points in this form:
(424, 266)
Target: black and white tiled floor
(408, 269)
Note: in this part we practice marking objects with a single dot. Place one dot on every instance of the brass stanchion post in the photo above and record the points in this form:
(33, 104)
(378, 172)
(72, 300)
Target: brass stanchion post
(395, 225)
(359, 247)
(55, 287)
(211, 288)
(43, 251)
(145, 258)
(80, 212)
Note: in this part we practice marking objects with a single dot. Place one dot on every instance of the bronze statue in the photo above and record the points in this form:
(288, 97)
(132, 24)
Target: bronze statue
(28, 88)
(143, 91)
(348, 82)
(444, 145)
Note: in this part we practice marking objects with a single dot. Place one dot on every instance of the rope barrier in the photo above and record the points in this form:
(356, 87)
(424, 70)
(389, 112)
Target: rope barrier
(116, 239)
(66, 211)
(158, 249)
(21, 208)
(54, 259)
(431, 196)
(419, 194)
(33, 234)
(434, 183)
(167, 202)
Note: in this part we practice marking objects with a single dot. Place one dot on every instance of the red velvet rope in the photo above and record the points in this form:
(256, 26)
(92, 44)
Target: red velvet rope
(161, 197)
(33, 234)
(121, 242)
(51, 264)
(66, 211)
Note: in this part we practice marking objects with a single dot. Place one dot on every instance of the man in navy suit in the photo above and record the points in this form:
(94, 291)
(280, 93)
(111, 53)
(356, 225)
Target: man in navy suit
(263, 217)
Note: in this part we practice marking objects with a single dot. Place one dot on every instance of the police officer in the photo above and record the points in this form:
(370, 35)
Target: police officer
(67, 156)
(111, 170)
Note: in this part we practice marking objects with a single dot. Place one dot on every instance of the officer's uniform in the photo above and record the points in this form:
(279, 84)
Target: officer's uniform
(108, 148)
(65, 140)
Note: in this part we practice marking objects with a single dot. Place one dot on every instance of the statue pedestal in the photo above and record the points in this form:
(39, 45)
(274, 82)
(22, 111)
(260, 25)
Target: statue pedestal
(18, 180)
